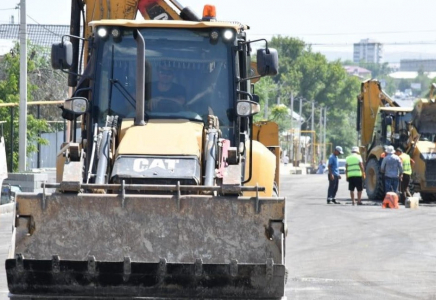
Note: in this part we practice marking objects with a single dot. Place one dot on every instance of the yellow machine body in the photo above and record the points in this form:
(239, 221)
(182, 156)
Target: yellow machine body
(148, 203)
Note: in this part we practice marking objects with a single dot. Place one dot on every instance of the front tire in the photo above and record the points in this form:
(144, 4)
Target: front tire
(374, 180)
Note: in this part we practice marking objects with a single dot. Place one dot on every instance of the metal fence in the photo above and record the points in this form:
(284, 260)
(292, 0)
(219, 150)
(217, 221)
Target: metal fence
(46, 155)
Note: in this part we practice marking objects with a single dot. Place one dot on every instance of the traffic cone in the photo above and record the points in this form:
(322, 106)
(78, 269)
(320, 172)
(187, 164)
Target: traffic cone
(390, 201)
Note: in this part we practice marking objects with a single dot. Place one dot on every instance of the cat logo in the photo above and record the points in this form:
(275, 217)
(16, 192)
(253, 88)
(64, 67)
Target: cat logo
(143, 164)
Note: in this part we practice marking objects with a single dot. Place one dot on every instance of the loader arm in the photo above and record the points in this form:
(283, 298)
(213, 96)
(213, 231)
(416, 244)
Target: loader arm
(127, 10)
(117, 9)
(370, 99)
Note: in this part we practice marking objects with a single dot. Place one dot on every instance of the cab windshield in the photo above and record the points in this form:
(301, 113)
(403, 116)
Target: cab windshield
(187, 75)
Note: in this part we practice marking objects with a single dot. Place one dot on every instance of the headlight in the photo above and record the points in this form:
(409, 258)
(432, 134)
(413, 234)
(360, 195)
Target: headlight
(116, 33)
(228, 34)
(102, 32)
(246, 108)
(214, 35)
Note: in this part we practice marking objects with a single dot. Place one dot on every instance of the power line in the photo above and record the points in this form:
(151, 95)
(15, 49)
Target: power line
(348, 33)
(42, 26)
(429, 43)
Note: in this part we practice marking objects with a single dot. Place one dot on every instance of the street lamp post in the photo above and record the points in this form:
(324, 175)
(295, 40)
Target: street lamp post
(22, 130)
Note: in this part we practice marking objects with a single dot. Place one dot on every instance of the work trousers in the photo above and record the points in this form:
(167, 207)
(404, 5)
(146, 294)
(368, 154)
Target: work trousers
(404, 188)
(333, 187)
(391, 184)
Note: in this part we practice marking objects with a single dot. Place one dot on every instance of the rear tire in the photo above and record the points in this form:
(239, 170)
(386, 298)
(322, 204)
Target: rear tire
(374, 180)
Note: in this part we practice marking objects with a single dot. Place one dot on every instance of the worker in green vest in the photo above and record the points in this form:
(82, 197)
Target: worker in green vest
(407, 172)
(355, 174)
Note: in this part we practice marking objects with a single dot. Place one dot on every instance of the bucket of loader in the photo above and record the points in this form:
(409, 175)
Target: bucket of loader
(129, 246)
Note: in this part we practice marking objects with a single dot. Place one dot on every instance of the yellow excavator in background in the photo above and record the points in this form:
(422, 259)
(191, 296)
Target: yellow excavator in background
(422, 148)
(167, 192)
(380, 121)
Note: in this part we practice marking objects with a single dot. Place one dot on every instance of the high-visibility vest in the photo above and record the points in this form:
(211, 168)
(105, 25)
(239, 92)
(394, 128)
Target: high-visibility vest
(407, 168)
(353, 165)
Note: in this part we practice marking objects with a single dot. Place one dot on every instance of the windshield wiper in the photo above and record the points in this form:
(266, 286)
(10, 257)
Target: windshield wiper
(116, 83)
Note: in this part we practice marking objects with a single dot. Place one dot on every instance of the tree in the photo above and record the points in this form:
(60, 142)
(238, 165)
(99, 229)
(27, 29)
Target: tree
(280, 115)
(43, 84)
(267, 90)
(309, 75)
(377, 70)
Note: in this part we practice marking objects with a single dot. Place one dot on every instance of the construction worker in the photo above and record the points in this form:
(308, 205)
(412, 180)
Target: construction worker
(355, 174)
(334, 175)
(392, 168)
(407, 172)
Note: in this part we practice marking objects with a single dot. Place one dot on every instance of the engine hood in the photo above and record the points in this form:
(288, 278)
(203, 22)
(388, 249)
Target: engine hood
(161, 137)
(426, 149)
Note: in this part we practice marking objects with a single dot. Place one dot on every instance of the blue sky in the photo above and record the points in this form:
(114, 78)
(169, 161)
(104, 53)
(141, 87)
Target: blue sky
(402, 25)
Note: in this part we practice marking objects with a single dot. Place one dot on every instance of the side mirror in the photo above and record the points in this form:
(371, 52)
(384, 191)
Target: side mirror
(246, 108)
(267, 62)
(62, 55)
(74, 107)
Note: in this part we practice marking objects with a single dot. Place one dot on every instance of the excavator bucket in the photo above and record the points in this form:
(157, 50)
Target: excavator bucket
(130, 246)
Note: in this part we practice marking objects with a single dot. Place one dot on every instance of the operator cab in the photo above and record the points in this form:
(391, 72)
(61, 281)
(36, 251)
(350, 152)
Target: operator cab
(187, 74)
(392, 126)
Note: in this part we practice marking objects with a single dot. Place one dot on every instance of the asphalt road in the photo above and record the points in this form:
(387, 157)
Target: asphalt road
(342, 251)
(356, 252)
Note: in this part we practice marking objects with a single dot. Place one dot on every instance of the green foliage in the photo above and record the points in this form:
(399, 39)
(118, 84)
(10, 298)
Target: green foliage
(308, 75)
(377, 70)
(280, 115)
(425, 84)
(267, 90)
(404, 84)
(9, 93)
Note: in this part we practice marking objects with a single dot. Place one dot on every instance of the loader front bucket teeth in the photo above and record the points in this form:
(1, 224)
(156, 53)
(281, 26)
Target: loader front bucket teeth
(118, 280)
(132, 245)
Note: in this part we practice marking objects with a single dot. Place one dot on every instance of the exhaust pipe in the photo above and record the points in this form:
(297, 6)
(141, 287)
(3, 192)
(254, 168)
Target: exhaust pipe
(140, 78)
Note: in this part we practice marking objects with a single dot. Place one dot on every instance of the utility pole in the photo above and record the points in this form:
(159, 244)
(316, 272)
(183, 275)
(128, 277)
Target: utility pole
(291, 154)
(312, 156)
(22, 137)
(320, 134)
(325, 130)
(299, 132)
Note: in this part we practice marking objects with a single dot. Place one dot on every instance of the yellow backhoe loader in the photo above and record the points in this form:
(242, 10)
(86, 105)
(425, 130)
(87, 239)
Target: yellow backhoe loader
(380, 122)
(170, 191)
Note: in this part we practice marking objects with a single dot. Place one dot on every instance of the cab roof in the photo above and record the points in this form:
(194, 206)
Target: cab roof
(168, 24)
(397, 109)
